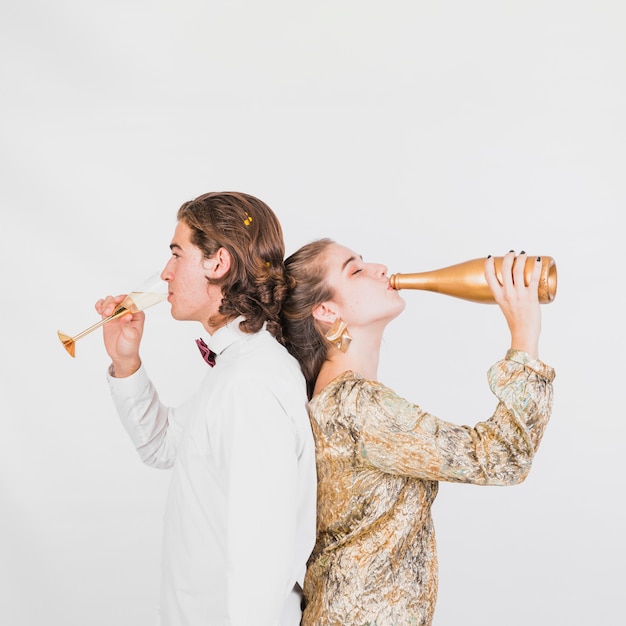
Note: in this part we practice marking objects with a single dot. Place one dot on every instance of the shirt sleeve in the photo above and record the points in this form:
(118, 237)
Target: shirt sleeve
(400, 438)
(147, 421)
(262, 511)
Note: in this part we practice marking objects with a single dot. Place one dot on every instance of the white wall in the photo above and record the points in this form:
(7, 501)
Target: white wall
(418, 133)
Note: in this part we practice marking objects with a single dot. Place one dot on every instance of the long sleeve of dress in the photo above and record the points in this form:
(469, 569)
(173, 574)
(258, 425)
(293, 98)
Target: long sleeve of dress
(400, 438)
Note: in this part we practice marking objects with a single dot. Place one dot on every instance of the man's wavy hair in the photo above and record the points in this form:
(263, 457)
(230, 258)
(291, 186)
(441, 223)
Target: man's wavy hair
(255, 286)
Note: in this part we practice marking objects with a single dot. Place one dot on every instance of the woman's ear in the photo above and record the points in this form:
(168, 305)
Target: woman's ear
(219, 264)
(326, 313)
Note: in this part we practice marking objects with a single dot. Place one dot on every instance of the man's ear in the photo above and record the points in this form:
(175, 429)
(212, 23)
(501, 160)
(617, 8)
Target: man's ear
(326, 313)
(219, 264)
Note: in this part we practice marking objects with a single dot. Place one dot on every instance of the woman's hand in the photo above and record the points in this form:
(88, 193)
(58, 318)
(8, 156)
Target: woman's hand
(122, 336)
(519, 302)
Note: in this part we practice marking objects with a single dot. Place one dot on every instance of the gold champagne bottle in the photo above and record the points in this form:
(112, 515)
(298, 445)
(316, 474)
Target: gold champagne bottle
(467, 280)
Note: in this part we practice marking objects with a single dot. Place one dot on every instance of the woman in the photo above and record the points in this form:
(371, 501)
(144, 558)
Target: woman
(380, 457)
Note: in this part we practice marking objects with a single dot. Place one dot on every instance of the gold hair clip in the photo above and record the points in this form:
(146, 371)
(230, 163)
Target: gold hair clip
(248, 219)
(339, 335)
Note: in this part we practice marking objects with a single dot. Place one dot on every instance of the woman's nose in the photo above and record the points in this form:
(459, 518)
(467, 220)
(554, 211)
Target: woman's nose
(376, 269)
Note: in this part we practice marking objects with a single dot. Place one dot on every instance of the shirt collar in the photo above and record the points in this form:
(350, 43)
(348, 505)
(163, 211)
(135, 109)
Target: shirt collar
(226, 335)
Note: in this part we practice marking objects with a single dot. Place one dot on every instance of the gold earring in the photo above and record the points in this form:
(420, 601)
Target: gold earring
(339, 335)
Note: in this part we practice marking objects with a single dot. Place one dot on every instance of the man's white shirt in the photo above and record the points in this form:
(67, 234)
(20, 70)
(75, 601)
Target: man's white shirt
(239, 522)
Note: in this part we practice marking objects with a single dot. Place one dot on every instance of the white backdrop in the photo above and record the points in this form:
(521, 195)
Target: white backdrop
(418, 133)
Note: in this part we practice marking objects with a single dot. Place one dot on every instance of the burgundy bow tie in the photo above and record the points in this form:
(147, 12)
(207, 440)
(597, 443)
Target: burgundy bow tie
(207, 354)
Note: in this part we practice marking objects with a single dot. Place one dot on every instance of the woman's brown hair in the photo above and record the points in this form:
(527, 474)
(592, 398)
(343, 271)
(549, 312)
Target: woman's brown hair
(306, 276)
(245, 226)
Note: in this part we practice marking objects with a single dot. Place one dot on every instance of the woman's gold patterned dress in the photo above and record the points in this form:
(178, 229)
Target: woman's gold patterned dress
(379, 460)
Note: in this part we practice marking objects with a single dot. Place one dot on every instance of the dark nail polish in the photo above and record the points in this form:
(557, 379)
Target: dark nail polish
(488, 256)
(511, 250)
(538, 259)
(523, 252)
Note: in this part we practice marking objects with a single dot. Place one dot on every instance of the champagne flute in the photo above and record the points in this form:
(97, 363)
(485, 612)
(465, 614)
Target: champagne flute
(149, 292)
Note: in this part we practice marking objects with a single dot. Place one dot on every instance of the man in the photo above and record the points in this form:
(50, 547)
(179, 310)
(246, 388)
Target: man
(240, 515)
